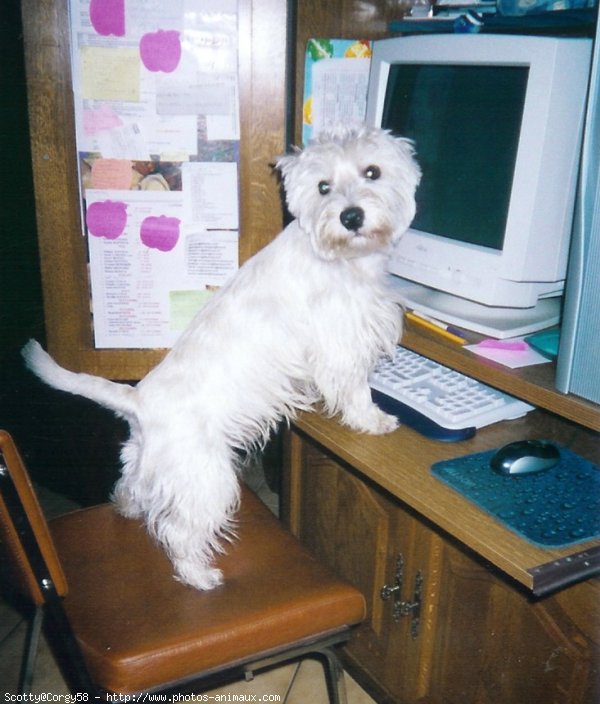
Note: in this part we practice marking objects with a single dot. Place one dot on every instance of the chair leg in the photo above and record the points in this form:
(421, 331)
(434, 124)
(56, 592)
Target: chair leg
(324, 650)
(31, 649)
(334, 676)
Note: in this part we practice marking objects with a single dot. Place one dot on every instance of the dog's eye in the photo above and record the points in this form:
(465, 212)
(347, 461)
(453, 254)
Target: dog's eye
(372, 172)
(324, 187)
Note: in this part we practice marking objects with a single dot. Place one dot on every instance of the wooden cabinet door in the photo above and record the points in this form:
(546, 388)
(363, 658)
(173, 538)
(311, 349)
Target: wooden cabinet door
(361, 533)
(494, 643)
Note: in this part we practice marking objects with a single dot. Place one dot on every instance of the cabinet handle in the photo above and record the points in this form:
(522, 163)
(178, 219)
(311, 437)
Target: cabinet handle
(404, 608)
(395, 590)
(387, 591)
(413, 608)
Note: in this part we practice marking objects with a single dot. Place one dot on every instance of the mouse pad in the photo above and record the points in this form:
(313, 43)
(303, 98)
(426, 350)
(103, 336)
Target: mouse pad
(552, 508)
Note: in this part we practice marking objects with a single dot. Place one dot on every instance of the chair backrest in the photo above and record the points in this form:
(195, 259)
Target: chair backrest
(24, 533)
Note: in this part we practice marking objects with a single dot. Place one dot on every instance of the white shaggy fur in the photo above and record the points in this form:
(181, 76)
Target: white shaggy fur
(302, 321)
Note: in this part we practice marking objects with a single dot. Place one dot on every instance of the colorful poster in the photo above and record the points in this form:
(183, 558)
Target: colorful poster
(157, 128)
(336, 76)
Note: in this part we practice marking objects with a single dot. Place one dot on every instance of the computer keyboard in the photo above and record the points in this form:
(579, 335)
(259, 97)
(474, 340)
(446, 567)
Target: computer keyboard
(436, 401)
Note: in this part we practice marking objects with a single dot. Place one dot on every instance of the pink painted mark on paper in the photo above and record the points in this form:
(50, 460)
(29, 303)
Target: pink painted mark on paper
(161, 50)
(160, 232)
(111, 173)
(107, 219)
(108, 17)
(101, 118)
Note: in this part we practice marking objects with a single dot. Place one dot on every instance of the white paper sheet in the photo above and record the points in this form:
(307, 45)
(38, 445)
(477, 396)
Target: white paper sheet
(147, 266)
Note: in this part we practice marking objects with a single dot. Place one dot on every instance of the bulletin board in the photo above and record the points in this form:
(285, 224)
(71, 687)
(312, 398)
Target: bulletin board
(154, 127)
(155, 90)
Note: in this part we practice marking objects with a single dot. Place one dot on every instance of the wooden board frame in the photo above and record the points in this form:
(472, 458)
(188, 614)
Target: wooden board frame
(262, 67)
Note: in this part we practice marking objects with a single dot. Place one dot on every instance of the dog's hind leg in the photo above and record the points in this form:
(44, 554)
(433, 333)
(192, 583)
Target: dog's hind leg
(193, 543)
(190, 505)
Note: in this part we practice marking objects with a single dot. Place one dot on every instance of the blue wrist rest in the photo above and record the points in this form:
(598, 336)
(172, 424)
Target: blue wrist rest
(552, 508)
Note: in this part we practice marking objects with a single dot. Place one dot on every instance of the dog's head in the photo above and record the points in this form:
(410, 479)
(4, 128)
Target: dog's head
(352, 190)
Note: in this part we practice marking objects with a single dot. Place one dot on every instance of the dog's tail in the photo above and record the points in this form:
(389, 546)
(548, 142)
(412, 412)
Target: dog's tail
(119, 398)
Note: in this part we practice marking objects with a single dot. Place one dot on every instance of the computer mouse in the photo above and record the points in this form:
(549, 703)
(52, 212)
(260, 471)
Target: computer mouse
(525, 457)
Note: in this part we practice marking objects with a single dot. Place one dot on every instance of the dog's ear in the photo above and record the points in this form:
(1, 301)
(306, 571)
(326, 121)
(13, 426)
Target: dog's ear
(286, 166)
(284, 163)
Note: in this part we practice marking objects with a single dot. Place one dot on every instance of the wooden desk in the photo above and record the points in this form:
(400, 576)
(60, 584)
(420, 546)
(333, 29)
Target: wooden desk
(400, 463)
(460, 623)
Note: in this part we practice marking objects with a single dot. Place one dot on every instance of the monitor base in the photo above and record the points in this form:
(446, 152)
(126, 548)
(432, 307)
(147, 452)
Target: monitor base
(500, 323)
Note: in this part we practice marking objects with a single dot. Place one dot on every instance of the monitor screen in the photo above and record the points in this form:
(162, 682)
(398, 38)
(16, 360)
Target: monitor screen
(465, 121)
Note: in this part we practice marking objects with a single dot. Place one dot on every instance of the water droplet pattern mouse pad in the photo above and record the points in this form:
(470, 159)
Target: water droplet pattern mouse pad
(552, 508)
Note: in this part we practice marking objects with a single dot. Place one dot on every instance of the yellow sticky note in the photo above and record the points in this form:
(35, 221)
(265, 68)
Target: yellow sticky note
(110, 73)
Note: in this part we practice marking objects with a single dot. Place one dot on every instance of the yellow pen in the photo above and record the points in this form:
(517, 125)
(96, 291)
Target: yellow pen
(432, 327)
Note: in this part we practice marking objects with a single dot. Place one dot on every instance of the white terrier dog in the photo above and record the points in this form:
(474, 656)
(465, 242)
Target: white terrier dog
(303, 321)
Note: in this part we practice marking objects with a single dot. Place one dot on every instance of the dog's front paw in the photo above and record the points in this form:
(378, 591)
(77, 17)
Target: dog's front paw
(374, 421)
(386, 424)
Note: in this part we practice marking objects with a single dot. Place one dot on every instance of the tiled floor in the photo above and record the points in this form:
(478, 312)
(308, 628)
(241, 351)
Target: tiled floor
(292, 684)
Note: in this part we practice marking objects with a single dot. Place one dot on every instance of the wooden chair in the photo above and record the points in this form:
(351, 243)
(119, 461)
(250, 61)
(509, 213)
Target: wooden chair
(119, 622)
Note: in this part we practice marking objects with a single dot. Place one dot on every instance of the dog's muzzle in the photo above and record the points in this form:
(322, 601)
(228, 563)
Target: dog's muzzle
(352, 218)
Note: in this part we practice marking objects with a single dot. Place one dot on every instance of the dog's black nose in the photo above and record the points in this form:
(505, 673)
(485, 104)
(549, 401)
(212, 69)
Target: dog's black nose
(352, 218)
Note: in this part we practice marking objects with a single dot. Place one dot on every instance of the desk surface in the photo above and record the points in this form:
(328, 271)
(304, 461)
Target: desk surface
(400, 463)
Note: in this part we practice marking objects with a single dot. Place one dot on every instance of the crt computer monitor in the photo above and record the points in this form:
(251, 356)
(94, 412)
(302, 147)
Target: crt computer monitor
(497, 123)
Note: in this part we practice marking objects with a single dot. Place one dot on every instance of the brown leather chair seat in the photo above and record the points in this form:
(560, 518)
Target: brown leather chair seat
(123, 624)
(274, 593)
